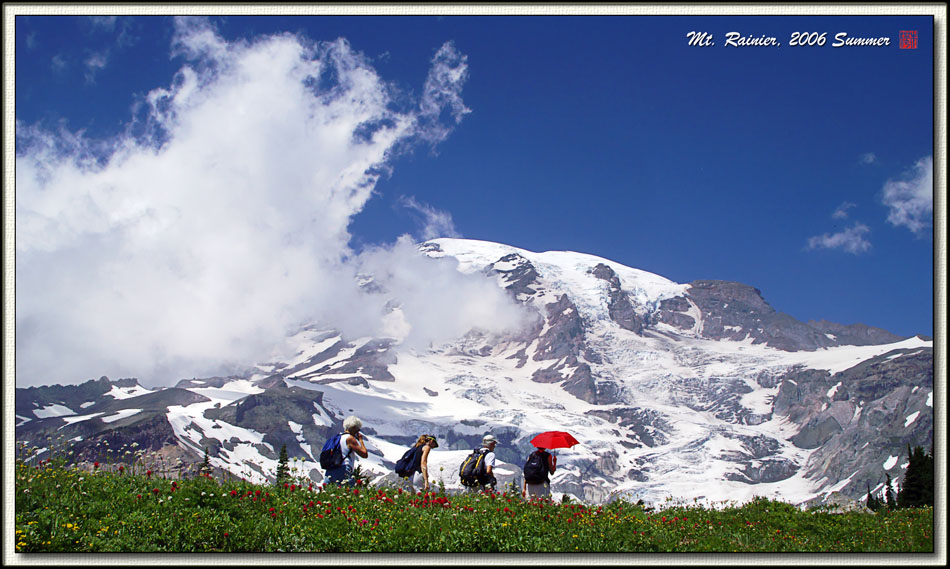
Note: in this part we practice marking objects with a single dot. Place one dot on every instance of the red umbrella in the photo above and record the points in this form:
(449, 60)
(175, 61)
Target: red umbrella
(554, 439)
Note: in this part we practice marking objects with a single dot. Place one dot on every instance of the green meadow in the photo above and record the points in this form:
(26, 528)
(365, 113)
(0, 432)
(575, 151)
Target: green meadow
(65, 509)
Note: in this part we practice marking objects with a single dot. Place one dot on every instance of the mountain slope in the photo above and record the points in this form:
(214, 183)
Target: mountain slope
(696, 391)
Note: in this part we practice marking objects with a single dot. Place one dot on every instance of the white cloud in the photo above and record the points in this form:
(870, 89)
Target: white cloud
(202, 240)
(120, 36)
(435, 223)
(95, 63)
(58, 63)
(910, 199)
(449, 68)
(852, 240)
(868, 158)
(432, 300)
(106, 23)
(842, 211)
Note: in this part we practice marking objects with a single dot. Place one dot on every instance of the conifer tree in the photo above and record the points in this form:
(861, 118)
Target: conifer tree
(873, 503)
(890, 502)
(917, 488)
(282, 470)
(928, 477)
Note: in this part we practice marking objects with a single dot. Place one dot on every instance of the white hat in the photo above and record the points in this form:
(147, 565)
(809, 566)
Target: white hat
(488, 439)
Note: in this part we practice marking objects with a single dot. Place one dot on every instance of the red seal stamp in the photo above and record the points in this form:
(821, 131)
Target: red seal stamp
(908, 39)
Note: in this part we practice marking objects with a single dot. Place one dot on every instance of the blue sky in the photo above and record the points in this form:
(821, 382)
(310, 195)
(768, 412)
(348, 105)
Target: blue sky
(804, 171)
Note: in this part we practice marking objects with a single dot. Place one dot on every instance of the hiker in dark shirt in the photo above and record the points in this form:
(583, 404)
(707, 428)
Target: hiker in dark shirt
(420, 475)
(538, 468)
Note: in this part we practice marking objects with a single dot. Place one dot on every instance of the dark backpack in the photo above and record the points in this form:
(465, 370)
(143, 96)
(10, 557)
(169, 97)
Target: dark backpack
(331, 456)
(472, 472)
(408, 464)
(536, 468)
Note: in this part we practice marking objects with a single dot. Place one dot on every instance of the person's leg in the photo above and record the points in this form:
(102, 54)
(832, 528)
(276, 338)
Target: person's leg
(335, 475)
(418, 481)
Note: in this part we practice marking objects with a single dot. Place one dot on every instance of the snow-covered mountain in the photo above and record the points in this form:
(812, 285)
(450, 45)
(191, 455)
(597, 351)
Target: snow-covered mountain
(692, 391)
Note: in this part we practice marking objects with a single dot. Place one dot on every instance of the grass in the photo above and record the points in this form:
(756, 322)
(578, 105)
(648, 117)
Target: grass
(65, 509)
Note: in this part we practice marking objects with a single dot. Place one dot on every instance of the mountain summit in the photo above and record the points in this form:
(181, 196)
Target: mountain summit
(692, 391)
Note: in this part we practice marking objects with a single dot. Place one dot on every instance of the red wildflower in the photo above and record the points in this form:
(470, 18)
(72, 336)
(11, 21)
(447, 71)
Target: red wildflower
(95, 465)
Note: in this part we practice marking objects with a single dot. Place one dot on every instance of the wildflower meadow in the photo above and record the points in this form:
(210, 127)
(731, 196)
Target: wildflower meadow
(63, 508)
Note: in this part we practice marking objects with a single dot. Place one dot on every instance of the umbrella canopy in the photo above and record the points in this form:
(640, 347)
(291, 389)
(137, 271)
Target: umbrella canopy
(554, 439)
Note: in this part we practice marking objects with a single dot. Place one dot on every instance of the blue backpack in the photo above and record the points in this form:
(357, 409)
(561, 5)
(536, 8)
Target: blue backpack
(331, 456)
(405, 466)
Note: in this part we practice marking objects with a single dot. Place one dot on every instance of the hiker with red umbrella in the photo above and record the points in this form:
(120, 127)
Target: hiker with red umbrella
(541, 464)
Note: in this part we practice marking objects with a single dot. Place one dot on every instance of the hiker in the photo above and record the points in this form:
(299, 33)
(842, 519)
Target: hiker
(351, 441)
(482, 475)
(537, 468)
(413, 467)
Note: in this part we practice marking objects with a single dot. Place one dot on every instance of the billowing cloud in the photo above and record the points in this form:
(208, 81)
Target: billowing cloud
(219, 222)
(432, 301)
(434, 222)
(910, 198)
(851, 240)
